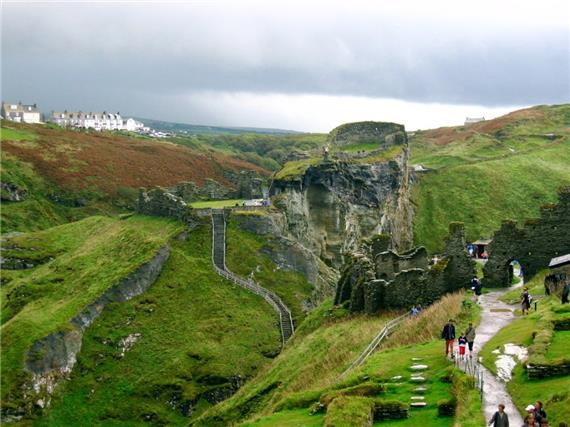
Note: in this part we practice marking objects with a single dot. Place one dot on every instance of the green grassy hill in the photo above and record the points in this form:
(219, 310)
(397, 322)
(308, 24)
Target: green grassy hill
(504, 168)
(309, 370)
(199, 337)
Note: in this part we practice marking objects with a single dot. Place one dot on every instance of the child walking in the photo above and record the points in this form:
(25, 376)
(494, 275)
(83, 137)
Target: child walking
(462, 341)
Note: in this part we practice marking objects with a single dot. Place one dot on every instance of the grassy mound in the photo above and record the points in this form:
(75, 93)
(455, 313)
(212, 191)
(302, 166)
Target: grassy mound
(504, 168)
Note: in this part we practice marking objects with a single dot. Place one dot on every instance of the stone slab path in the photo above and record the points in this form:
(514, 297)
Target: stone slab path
(495, 315)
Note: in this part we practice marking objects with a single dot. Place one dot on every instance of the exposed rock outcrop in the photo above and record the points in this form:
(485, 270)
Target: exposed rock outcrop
(287, 253)
(10, 192)
(51, 359)
(161, 202)
(334, 205)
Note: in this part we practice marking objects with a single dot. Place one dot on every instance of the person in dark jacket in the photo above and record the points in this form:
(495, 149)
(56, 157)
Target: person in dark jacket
(565, 292)
(448, 334)
(500, 419)
(539, 413)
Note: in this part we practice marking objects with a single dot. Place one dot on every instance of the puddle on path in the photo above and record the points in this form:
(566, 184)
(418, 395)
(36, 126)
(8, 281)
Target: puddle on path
(507, 360)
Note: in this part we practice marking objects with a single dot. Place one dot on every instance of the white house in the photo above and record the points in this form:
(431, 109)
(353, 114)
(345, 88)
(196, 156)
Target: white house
(97, 121)
(21, 113)
(132, 125)
(471, 120)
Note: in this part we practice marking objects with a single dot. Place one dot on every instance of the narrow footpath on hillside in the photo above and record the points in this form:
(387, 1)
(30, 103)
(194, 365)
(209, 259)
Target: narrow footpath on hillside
(219, 262)
(495, 315)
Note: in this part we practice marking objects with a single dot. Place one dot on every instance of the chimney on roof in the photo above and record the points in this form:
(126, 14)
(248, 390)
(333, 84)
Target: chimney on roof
(35, 105)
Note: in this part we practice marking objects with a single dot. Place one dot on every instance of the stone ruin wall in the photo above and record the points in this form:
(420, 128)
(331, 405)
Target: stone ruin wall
(533, 245)
(377, 279)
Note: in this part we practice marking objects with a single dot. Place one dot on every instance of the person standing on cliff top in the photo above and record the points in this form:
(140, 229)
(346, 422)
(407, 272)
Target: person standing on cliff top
(448, 334)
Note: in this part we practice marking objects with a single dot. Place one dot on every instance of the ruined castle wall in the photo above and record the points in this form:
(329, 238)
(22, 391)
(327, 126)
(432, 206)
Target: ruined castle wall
(533, 245)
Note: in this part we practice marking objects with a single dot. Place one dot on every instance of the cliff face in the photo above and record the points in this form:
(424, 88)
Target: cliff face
(334, 204)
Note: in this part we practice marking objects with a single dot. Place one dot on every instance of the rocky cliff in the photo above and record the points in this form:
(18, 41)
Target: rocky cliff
(358, 189)
(335, 203)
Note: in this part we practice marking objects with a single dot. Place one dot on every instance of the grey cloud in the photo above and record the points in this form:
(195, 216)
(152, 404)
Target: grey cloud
(132, 54)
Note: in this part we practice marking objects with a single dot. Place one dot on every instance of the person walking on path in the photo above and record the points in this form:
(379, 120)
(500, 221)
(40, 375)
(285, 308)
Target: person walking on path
(448, 334)
(470, 335)
(525, 301)
(565, 292)
(539, 413)
(500, 419)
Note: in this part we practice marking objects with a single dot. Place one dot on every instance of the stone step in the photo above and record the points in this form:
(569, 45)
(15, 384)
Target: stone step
(418, 367)
(417, 398)
(418, 404)
(420, 390)
(417, 379)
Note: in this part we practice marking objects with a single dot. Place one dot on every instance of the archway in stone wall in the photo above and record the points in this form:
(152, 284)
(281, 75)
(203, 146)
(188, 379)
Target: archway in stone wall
(516, 272)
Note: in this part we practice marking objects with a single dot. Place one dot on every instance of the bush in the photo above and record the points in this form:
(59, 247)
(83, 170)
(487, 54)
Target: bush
(446, 407)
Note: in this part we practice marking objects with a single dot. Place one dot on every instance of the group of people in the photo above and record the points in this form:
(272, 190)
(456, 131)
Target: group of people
(535, 417)
(465, 341)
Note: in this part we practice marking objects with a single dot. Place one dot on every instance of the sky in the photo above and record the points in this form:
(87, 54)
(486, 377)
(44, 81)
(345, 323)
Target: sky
(302, 65)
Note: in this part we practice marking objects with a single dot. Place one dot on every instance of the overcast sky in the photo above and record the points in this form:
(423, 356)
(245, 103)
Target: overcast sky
(294, 64)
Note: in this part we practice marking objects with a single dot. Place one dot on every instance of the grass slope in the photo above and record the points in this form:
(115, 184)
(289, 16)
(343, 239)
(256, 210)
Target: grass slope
(504, 168)
(325, 344)
(89, 257)
(197, 331)
(553, 392)
(245, 257)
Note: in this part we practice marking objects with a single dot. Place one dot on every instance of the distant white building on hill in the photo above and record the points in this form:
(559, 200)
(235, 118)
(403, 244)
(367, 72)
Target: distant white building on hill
(21, 113)
(97, 121)
(471, 120)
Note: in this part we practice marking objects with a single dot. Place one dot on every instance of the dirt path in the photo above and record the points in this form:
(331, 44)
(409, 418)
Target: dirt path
(495, 315)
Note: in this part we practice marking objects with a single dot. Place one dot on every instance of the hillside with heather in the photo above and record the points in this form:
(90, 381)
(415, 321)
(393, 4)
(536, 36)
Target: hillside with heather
(484, 173)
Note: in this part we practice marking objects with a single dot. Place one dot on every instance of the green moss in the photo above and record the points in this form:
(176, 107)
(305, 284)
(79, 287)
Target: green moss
(295, 168)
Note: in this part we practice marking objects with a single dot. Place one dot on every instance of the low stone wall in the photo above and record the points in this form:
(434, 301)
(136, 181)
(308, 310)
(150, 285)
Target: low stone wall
(390, 410)
(536, 371)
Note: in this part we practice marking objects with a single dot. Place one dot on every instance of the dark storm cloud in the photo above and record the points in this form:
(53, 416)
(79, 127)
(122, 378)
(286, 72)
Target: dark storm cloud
(134, 56)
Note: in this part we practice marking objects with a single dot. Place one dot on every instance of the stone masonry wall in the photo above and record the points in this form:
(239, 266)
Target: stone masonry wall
(396, 281)
(533, 245)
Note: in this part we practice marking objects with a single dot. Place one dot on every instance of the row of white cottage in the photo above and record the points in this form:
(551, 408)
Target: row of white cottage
(97, 121)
